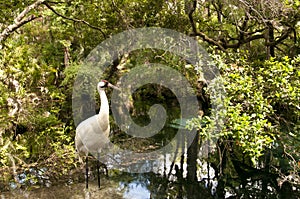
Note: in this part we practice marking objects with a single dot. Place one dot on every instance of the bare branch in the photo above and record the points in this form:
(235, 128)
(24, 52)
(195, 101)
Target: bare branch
(20, 20)
(244, 41)
(209, 40)
(279, 39)
(191, 10)
(255, 32)
(74, 20)
(27, 10)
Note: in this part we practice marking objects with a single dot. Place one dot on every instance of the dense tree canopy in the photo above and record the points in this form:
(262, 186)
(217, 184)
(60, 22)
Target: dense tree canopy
(255, 44)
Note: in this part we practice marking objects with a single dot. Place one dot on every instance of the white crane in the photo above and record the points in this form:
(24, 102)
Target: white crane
(92, 133)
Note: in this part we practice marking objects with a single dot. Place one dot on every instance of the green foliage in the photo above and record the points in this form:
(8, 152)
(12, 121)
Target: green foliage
(32, 133)
(39, 61)
(261, 106)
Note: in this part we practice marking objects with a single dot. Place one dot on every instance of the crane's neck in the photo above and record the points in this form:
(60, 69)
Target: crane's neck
(104, 110)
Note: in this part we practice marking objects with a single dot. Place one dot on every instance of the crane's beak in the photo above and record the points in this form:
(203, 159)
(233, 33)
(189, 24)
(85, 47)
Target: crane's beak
(114, 87)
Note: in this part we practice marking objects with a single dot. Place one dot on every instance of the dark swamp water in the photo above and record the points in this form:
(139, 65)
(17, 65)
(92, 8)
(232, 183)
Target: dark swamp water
(168, 178)
(183, 173)
(159, 183)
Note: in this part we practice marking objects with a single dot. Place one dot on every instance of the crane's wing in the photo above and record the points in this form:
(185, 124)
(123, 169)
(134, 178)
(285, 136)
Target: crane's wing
(90, 137)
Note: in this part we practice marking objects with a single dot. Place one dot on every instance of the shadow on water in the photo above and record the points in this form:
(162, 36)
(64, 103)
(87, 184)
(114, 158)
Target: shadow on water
(175, 175)
(127, 186)
(179, 175)
(169, 181)
(163, 184)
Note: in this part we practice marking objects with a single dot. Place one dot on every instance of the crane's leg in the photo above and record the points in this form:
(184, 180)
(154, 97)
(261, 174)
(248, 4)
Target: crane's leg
(86, 173)
(98, 169)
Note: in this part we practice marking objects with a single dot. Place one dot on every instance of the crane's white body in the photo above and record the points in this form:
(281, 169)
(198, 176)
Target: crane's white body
(92, 134)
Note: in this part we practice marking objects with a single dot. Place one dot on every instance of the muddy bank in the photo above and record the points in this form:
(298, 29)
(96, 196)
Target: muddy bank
(75, 191)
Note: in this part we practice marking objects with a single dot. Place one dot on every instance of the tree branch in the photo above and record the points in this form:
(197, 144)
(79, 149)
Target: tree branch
(243, 35)
(283, 36)
(74, 20)
(20, 21)
(244, 41)
(209, 40)
(195, 32)
(223, 45)
(190, 9)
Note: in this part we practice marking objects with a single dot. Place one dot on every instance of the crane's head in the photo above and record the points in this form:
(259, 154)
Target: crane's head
(104, 84)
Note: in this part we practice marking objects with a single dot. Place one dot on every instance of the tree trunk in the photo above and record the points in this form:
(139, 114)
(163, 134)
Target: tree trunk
(270, 40)
(192, 155)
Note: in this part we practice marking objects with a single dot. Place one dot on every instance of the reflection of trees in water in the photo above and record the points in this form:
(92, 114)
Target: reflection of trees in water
(234, 174)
